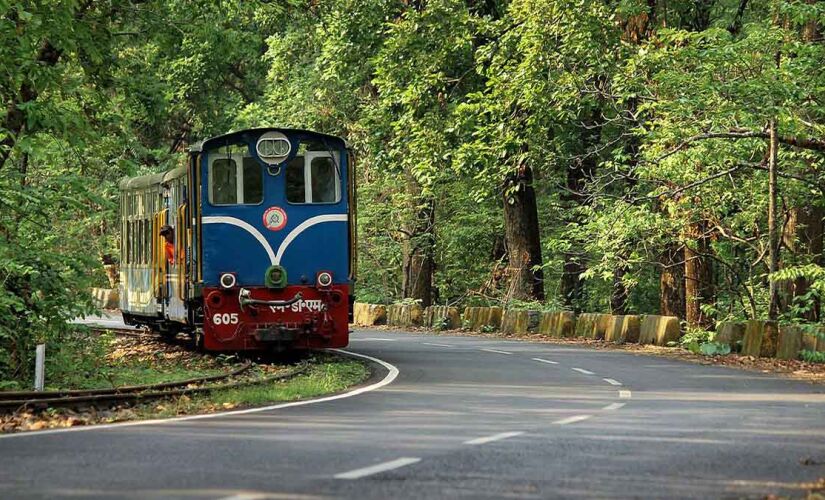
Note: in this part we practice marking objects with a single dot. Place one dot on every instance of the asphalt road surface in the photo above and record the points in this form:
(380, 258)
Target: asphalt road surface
(464, 417)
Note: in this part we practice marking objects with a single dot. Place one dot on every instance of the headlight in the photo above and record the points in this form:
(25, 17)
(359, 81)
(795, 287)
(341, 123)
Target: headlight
(275, 277)
(324, 279)
(228, 280)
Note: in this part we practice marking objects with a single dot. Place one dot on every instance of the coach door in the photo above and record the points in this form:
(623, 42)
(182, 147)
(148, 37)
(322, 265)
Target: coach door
(175, 215)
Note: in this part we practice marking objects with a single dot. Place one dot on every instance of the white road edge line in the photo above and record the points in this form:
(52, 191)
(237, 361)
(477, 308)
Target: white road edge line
(612, 381)
(494, 437)
(625, 394)
(496, 351)
(388, 379)
(540, 360)
(614, 406)
(572, 420)
(375, 469)
(436, 345)
(581, 370)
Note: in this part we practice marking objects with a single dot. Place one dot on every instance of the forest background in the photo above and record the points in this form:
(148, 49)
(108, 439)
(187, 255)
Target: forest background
(645, 156)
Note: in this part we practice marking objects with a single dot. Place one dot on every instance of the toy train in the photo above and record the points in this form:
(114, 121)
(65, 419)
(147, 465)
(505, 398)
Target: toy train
(249, 246)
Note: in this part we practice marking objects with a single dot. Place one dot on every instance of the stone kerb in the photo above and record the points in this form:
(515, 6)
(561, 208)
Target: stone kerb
(789, 342)
(515, 322)
(476, 318)
(405, 315)
(358, 313)
(557, 324)
(600, 326)
(760, 339)
(659, 330)
(730, 333)
(364, 314)
(623, 329)
(435, 315)
(813, 342)
(593, 325)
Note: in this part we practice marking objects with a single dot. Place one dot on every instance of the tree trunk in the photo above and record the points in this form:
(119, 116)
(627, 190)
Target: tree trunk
(773, 232)
(419, 263)
(803, 233)
(672, 281)
(521, 225)
(618, 297)
(803, 238)
(574, 196)
(698, 276)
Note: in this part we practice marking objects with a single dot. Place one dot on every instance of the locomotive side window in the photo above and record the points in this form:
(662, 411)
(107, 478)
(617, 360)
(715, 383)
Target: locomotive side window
(324, 180)
(224, 179)
(230, 184)
(313, 179)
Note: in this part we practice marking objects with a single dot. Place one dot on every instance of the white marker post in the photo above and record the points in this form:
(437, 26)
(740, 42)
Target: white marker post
(40, 367)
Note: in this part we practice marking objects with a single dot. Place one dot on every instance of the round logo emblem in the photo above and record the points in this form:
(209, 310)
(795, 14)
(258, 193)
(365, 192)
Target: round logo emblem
(274, 218)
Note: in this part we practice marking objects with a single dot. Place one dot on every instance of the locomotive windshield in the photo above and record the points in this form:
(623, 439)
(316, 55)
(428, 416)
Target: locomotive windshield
(312, 178)
(235, 178)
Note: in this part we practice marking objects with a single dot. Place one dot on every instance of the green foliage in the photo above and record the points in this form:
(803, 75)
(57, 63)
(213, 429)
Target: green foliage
(694, 338)
(700, 341)
(639, 127)
(325, 376)
(714, 349)
(812, 356)
(488, 329)
(442, 324)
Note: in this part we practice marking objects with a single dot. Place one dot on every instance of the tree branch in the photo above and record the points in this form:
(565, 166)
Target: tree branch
(798, 142)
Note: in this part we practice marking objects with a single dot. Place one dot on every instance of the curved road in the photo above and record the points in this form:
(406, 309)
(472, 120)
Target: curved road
(465, 417)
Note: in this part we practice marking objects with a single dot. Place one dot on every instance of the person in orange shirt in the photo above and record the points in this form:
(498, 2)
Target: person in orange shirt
(169, 235)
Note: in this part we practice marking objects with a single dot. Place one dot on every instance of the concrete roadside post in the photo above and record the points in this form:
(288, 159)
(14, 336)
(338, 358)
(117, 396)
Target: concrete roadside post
(40, 367)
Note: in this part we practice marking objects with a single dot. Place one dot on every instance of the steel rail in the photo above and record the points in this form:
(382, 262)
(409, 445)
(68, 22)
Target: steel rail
(143, 396)
(32, 395)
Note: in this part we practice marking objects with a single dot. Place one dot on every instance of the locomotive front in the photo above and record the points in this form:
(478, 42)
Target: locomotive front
(276, 237)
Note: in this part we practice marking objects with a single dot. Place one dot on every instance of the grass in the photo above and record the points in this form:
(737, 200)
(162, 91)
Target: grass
(326, 374)
(90, 361)
(84, 360)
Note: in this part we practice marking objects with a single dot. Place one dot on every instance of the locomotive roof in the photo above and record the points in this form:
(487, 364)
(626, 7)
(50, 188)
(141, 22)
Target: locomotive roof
(220, 139)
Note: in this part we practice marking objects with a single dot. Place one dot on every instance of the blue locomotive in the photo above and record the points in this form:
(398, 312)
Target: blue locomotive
(250, 245)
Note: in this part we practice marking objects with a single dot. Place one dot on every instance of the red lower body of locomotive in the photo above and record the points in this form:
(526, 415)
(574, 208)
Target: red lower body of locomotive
(296, 317)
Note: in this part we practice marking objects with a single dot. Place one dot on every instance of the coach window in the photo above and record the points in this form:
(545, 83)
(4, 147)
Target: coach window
(313, 179)
(235, 179)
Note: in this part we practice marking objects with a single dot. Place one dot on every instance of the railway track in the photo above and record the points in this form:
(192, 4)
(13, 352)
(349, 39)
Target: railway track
(14, 401)
(18, 400)
(128, 332)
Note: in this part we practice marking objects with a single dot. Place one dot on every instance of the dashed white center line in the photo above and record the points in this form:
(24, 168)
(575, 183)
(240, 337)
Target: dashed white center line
(546, 361)
(580, 370)
(496, 351)
(494, 437)
(572, 420)
(614, 406)
(246, 496)
(375, 469)
(436, 345)
(625, 394)
(611, 381)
